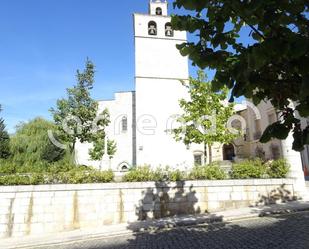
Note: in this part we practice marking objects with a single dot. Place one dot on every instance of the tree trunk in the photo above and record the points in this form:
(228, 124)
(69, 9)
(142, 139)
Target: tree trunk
(210, 153)
(205, 153)
(72, 150)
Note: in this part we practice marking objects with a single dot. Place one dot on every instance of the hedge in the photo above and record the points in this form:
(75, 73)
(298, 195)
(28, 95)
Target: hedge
(70, 177)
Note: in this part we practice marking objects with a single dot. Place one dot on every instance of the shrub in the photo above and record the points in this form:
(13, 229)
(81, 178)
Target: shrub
(145, 173)
(141, 174)
(248, 169)
(278, 168)
(207, 172)
(62, 166)
(38, 167)
(33, 179)
(76, 176)
(7, 167)
(176, 175)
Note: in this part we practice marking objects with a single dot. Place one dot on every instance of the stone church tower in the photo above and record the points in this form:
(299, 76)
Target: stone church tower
(159, 67)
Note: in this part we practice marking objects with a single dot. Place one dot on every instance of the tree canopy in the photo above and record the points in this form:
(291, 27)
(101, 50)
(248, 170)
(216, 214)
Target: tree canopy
(272, 66)
(4, 140)
(31, 147)
(205, 115)
(77, 116)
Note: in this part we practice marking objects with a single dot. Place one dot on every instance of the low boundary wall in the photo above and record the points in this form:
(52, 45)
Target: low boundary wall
(36, 210)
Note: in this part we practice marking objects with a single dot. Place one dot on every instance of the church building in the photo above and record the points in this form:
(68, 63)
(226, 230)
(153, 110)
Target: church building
(142, 120)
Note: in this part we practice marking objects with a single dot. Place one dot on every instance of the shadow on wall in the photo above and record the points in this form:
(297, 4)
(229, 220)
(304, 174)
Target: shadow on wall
(279, 195)
(165, 201)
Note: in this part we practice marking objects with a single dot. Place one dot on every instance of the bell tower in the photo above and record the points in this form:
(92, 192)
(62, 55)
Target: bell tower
(159, 69)
(156, 54)
(157, 7)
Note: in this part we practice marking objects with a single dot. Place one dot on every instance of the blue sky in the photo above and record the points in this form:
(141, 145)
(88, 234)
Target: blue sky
(43, 42)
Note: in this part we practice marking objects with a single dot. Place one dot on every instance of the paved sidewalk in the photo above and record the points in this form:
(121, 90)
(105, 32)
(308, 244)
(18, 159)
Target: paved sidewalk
(128, 229)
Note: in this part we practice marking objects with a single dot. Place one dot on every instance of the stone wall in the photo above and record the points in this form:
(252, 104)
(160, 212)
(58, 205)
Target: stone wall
(34, 210)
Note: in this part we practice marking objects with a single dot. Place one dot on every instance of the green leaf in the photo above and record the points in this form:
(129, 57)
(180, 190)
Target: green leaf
(275, 130)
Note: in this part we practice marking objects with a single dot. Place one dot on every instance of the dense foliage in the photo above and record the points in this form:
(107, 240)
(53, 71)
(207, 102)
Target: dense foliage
(66, 173)
(270, 62)
(4, 140)
(205, 116)
(210, 172)
(277, 169)
(145, 173)
(77, 116)
(257, 169)
(31, 149)
(77, 175)
(248, 169)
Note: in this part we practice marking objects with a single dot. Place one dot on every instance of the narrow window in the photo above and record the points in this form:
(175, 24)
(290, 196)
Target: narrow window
(124, 124)
(168, 30)
(152, 28)
(197, 159)
(158, 11)
(257, 133)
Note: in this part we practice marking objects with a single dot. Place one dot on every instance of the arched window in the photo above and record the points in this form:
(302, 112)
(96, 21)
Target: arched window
(124, 124)
(123, 167)
(158, 11)
(152, 28)
(168, 30)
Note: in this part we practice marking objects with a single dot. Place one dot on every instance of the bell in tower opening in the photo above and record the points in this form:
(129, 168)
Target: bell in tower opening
(158, 7)
(158, 11)
(152, 28)
(168, 30)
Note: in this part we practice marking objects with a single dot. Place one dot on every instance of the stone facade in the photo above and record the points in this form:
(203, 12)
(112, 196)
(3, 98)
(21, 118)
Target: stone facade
(38, 210)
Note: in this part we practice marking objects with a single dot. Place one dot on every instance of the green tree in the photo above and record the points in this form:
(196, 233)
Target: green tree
(273, 66)
(31, 148)
(97, 152)
(77, 116)
(4, 140)
(206, 115)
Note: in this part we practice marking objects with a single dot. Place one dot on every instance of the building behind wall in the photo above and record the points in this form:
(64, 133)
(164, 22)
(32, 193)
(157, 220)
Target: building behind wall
(141, 120)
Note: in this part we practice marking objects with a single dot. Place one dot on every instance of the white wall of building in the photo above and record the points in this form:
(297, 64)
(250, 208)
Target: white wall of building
(157, 56)
(118, 108)
(159, 69)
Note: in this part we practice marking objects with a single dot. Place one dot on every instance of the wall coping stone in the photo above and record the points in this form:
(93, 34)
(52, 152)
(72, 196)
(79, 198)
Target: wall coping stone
(139, 185)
